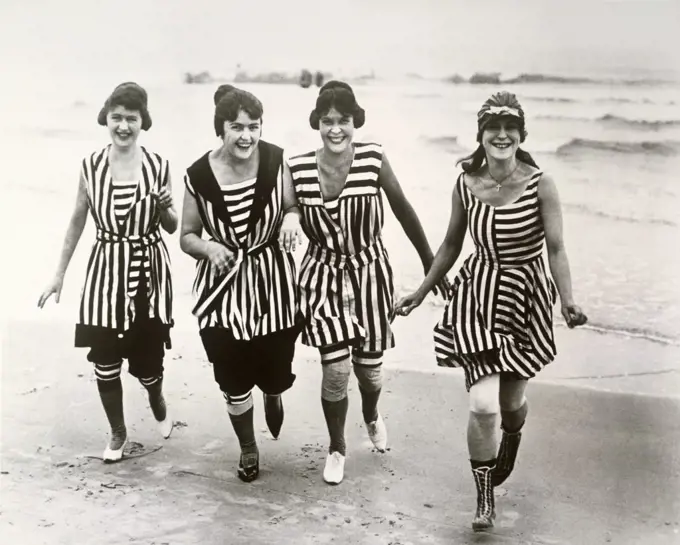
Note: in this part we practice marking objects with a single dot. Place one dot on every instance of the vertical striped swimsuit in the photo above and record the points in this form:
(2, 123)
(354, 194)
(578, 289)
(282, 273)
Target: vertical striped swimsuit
(259, 297)
(499, 318)
(128, 248)
(346, 285)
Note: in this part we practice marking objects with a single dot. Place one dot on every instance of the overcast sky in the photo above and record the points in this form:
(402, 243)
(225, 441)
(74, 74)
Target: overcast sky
(168, 37)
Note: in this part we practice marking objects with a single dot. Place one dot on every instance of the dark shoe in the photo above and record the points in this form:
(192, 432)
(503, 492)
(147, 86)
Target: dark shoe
(486, 508)
(249, 466)
(273, 413)
(507, 455)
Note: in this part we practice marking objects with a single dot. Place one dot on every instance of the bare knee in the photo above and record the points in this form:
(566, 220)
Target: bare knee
(484, 396)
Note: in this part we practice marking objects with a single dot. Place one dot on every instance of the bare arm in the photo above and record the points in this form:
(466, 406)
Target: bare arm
(73, 233)
(290, 234)
(168, 214)
(551, 214)
(450, 248)
(444, 259)
(290, 203)
(404, 213)
(190, 240)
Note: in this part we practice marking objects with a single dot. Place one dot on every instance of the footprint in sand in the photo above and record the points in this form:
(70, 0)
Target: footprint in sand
(509, 518)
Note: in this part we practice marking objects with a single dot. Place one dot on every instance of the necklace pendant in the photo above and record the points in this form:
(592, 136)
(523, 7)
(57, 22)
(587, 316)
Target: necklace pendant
(498, 187)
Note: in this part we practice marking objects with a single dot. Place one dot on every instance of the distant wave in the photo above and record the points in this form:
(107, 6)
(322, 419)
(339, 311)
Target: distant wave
(585, 209)
(580, 145)
(496, 78)
(561, 100)
(577, 145)
(611, 119)
(601, 100)
(623, 100)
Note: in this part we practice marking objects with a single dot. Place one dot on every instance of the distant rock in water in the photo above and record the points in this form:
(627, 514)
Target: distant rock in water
(456, 78)
(267, 77)
(200, 77)
(483, 77)
(305, 78)
(318, 79)
(546, 78)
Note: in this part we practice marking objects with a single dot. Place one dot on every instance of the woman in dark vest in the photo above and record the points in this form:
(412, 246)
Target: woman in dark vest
(242, 196)
(126, 303)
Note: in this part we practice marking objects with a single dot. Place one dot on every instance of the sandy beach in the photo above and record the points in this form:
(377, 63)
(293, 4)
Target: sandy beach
(596, 466)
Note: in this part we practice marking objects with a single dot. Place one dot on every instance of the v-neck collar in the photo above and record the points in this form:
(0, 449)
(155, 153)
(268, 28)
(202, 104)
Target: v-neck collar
(344, 185)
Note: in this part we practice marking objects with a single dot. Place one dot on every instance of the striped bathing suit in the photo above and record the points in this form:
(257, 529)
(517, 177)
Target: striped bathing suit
(499, 318)
(257, 296)
(128, 247)
(346, 285)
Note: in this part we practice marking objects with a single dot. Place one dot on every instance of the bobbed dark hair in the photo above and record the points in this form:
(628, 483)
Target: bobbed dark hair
(473, 162)
(338, 95)
(229, 101)
(130, 96)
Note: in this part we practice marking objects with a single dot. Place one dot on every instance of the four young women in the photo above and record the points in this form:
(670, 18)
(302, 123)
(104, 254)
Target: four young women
(253, 205)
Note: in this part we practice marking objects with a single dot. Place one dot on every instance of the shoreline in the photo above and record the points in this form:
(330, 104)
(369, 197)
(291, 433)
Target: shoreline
(586, 358)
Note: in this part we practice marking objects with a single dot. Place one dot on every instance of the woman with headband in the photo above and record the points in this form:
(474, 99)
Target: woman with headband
(242, 196)
(346, 287)
(498, 324)
(126, 304)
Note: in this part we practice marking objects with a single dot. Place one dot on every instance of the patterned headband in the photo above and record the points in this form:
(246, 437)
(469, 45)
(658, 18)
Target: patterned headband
(498, 110)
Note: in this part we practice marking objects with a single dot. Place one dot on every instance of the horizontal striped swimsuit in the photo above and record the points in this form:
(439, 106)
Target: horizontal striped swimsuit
(499, 318)
(239, 200)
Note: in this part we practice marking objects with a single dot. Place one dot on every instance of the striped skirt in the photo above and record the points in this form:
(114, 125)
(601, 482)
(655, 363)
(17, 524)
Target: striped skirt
(347, 298)
(498, 320)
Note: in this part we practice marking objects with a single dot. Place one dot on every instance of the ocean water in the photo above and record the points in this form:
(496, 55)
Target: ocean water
(613, 147)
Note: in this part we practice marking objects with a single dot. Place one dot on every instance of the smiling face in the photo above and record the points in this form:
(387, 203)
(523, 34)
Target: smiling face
(241, 136)
(124, 126)
(501, 138)
(337, 131)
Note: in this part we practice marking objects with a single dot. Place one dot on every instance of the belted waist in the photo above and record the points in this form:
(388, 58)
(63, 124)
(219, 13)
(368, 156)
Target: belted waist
(347, 261)
(506, 263)
(207, 301)
(136, 240)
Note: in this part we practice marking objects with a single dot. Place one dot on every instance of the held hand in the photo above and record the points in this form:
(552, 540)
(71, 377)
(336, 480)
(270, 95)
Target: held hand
(220, 257)
(163, 198)
(573, 315)
(408, 303)
(442, 287)
(54, 287)
(291, 232)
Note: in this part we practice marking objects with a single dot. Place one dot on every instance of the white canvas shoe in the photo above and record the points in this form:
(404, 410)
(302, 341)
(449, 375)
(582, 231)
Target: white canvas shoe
(110, 455)
(334, 471)
(165, 426)
(377, 433)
